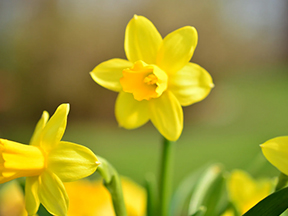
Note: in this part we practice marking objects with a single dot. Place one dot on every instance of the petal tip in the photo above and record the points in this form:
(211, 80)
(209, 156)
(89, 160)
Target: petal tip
(135, 16)
(45, 115)
(66, 107)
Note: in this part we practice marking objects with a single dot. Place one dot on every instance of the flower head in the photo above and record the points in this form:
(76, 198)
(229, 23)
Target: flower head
(12, 200)
(46, 163)
(245, 192)
(276, 152)
(88, 204)
(157, 79)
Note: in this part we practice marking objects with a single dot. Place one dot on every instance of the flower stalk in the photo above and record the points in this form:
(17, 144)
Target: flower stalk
(166, 176)
(113, 183)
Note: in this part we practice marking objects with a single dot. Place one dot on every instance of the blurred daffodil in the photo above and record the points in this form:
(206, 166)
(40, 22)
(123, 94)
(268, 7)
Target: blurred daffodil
(89, 198)
(245, 192)
(12, 200)
(157, 79)
(276, 152)
(46, 163)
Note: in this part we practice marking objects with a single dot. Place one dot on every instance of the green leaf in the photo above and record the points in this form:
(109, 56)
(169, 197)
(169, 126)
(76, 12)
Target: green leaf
(216, 199)
(184, 191)
(204, 185)
(205, 188)
(152, 194)
(272, 205)
(201, 211)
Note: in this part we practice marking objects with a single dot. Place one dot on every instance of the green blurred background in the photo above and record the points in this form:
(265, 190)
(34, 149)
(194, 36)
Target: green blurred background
(48, 48)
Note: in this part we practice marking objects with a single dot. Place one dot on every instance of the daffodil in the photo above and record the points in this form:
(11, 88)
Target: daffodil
(87, 204)
(46, 163)
(12, 200)
(276, 152)
(157, 79)
(245, 192)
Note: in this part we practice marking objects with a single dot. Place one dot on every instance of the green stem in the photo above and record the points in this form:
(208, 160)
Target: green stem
(166, 177)
(113, 183)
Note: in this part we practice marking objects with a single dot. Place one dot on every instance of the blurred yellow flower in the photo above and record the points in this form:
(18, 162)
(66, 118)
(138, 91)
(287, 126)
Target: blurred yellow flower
(245, 192)
(229, 212)
(156, 79)
(89, 198)
(47, 162)
(276, 152)
(12, 200)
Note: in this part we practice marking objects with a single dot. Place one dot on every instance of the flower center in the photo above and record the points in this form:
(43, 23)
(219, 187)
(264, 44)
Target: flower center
(144, 81)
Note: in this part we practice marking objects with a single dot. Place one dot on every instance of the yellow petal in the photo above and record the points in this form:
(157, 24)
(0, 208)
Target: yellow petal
(191, 84)
(88, 204)
(135, 197)
(35, 140)
(108, 73)
(55, 128)
(276, 152)
(71, 162)
(32, 201)
(167, 115)
(94, 199)
(177, 49)
(52, 194)
(142, 40)
(129, 112)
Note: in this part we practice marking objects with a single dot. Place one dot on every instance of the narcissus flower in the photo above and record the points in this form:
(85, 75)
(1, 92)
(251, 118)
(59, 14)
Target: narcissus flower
(157, 79)
(87, 204)
(12, 200)
(46, 163)
(245, 192)
(276, 152)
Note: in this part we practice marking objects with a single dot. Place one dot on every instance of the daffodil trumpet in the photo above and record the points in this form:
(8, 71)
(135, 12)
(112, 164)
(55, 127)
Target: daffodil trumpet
(46, 163)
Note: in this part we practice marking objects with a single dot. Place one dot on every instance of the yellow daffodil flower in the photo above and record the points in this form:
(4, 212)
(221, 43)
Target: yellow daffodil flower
(245, 192)
(95, 199)
(156, 79)
(276, 152)
(12, 200)
(46, 163)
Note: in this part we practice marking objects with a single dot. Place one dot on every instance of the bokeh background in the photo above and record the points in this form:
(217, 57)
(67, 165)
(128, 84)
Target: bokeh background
(48, 48)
